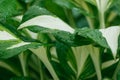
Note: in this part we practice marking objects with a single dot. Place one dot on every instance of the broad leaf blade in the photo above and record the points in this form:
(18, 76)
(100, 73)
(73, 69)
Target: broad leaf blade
(111, 35)
(94, 35)
(47, 22)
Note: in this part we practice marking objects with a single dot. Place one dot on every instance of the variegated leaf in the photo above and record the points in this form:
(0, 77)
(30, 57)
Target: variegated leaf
(111, 35)
(47, 21)
(10, 45)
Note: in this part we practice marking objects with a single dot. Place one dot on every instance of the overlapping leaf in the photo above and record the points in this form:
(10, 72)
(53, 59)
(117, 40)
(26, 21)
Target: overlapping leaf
(111, 35)
(103, 37)
(94, 35)
(10, 45)
(64, 59)
(54, 25)
(61, 30)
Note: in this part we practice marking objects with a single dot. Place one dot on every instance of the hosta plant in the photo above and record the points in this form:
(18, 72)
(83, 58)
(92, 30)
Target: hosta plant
(59, 40)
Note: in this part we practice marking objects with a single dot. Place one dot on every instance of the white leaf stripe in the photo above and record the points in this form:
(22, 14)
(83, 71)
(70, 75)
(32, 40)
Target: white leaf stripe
(18, 45)
(6, 36)
(32, 34)
(48, 22)
(111, 35)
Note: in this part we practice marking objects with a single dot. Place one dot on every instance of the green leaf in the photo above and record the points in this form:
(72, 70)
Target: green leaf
(13, 49)
(52, 23)
(10, 66)
(64, 59)
(94, 35)
(109, 63)
(111, 35)
(118, 75)
(35, 11)
(43, 57)
(88, 69)
(70, 5)
(95, 55)
(55, 9)
(59, 70)
(10, 45)
(87, 53)
(9, 8)
(81, 55)
(23, 57)
(61, 36)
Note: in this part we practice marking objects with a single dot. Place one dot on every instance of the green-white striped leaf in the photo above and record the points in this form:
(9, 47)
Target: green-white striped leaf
(6, 36)
(42, 55)
(10, 45)
(108, 38)
(69, 66)
(81, 54)
(47, 21)
(103, 5)
(111, 35)
(94, 35)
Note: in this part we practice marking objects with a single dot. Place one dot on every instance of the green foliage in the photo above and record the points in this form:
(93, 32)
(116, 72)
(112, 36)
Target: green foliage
(94, 35)
(33, 12)
(20, 78)
(59, 40)
(9, 8)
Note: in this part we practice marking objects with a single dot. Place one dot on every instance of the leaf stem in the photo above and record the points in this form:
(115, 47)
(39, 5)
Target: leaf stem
(101, 19)
(40, 68)
(23, 61)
